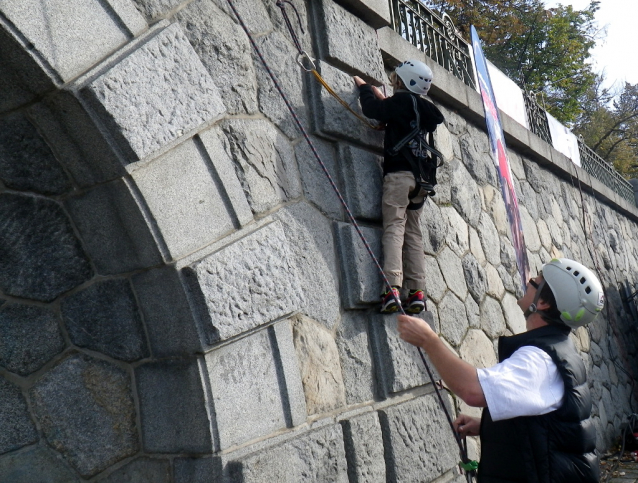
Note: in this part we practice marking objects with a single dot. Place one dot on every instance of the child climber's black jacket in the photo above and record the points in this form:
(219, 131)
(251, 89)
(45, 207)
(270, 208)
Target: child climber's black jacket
(397, 112)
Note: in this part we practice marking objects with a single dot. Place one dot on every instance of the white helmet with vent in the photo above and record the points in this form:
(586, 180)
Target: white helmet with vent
(578, 292)
(416, 76)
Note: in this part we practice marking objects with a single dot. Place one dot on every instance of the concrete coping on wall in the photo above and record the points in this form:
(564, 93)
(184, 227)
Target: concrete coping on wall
(454, 94)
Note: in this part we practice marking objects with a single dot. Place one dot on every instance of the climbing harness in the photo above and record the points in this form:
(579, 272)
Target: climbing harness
(280, 4)
(307, 63)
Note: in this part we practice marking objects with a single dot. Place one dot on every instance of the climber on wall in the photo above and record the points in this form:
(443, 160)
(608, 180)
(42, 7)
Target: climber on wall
(403, 197)
(536, 424)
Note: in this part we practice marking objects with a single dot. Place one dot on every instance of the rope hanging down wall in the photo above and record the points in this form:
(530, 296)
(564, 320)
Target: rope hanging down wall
(466, 464)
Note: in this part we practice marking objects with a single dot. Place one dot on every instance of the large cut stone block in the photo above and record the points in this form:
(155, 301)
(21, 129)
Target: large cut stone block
(348, 42)
(356, 360)
(230, 67)
(418, 442)
(315, 457)
(246, 284)
(169, 321)
(142, 470)
(104, 317)
(184, 199)
(331, 118)
(68, 37)
(86, 411)
(255, 386)
(320, 369)
(363, 181)
(155, 95)
(399, 365)
(364, 448)
(362, 281)
(35, 464)
(36, 233)
(30, 337)
(26, 161)
(113, 229)
(16, 428)
(198, 470)
(173, 413)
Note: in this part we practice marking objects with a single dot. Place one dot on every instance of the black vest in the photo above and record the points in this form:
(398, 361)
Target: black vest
(557, 447)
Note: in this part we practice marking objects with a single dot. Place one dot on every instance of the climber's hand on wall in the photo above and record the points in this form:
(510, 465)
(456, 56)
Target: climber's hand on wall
(358, 80)
(467, 425)
(414, 330)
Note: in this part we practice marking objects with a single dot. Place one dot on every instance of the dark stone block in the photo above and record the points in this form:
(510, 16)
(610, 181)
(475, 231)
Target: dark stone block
(36, 464)
(26, 161)
(30, 337)
(141, 470)
(16, 428)
(40, 257)
(86, 412)
(104, 317)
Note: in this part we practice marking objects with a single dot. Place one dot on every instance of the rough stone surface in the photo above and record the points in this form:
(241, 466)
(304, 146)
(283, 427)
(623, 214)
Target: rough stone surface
(473, 312)
(36, 233)
(496, 209)
(197, 470)
(489, 240)
(434, 226)
(320, 369)
(155, 95)
(69, 38)
(184, 199)
(495, 286)
(313, 247)
(30, 337)
(141, 470)
(364, 448)
(475, 277)
(254, 14)
(418, 443)
(16, 428)
(453, 318)
(475, 247)
(348, 42)
(37, 463)
(264, 163)
(434, 280)
(104, 317)
(253, 394)
(86, 411)
(478, 350)
(362, 282)
(457, 237)
(466, 197)
(532, 240)
(492, 319)
(315, 457)
(452, 269)
(363, 182)
(356, 359)
(173, 413)
(235, 285)
(113, 229)
(225, 51)
(513, 314)
(26, 161)
(399, 366)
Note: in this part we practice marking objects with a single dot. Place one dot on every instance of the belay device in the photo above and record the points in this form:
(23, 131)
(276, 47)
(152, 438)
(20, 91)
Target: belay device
(422, 156)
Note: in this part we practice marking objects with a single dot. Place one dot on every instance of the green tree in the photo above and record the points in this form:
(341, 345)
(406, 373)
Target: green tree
(608, 124)
(543, 50)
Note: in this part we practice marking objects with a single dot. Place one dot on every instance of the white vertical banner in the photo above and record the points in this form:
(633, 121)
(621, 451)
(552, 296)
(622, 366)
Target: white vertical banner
(563, 140)
(509, 96)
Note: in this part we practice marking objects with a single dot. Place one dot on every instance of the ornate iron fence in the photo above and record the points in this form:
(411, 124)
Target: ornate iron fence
(605, 172)
(435, 36)
(536, 117)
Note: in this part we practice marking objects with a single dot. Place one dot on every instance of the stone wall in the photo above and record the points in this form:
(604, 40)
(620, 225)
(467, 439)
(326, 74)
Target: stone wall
(182, 298)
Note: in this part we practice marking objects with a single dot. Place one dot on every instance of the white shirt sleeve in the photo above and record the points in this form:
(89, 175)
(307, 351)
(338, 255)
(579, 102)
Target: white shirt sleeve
(526, 384)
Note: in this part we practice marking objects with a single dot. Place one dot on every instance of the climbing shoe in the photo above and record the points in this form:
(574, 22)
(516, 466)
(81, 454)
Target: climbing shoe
(389, 300)
(415, 302)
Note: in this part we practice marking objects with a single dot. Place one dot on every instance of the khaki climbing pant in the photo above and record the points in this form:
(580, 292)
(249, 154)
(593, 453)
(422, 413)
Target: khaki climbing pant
(403, 258)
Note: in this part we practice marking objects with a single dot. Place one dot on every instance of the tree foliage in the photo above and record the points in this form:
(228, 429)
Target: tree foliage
(609, 126)
(543, 50)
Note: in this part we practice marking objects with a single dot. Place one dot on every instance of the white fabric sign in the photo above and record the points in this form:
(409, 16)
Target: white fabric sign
(563, 140)
(509, 97)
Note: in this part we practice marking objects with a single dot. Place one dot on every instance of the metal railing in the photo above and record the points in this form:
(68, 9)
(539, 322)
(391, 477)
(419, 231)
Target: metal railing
(536, 117)
(435, 36)
(605, 172)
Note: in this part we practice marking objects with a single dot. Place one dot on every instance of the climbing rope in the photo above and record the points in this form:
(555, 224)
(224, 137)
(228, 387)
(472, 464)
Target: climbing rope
(281, 4)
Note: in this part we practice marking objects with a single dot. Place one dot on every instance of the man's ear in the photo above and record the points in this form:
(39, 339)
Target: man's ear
(542, 305)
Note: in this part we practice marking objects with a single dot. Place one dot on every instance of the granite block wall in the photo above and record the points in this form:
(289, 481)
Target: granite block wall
(182, 296)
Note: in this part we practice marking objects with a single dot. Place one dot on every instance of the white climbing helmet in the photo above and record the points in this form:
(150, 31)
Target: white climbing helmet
(578, 292)
(416, 76)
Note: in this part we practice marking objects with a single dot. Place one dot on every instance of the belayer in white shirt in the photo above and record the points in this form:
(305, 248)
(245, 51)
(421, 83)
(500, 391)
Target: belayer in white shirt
(536, 424)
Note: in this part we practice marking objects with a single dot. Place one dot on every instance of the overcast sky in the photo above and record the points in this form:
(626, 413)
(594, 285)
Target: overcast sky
(616, 53)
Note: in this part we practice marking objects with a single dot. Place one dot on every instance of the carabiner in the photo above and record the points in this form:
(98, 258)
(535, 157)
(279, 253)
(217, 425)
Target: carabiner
(300, 61)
